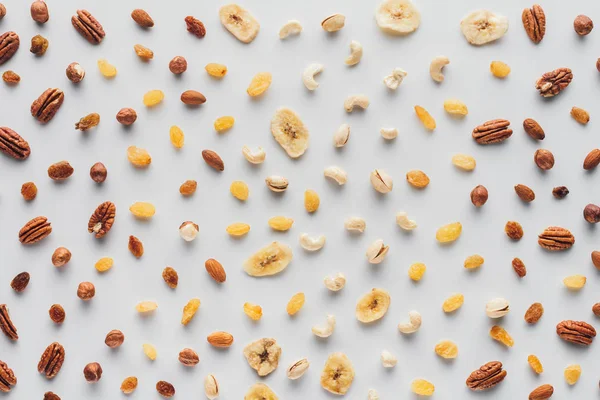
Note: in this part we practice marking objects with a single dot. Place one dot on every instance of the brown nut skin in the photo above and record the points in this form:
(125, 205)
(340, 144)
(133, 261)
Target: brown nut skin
(92, 372)
(39, 12)
(592, 160)
(525, 193)
(126, 116)
(165, 389)
(51, 396)
(598, 64)
(2, 10)
(591, 213)
(533, 129)
(195, 26)
(178, 65)
(479, 195)
(60, 171)
(544, 159)
(596, 259)
(513, 230)
(114, 338)
(29, 191)
(98, 172)
(583, 25)
(142, 18)
(75, 72)
(596, 309)
(57, 313)
(20, 282)
(560, 192)
(61, 257)
(86, 291)
(11, 77)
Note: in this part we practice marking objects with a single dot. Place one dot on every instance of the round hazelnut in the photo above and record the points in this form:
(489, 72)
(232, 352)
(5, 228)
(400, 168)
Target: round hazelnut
(2, 11)
(39, 12)
(598, 64)
(188, 231)
(61, 256)
(57, 313)
(29, 191)
(98, 172)
(92, 372)
(126, 116)
(75, 72)
(544, 159)
(583, 25)
(114, 338)
(86, 291)
(591, 213)
(178, 65)
(479, 195)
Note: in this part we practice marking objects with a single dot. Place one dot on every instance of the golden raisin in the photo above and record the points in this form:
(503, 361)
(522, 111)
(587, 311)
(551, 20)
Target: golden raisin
(138, 156)
(416, 271)
(88, 122)
(143, 52)
(135, 246)
(11, 77)
(239, 190)
(572, 373)
(464, 162)
(575, 282)
(104, 264)
(170, 277)
(259, 84)
(446, 349)
(499, 333)
(499, 69)
(513, 230)
(449, 233)
(422, 387)
(188, 187)
(455, 107)
(253, 311)
(426, 118)
(222, 124)
(176, 136)
(216, 70)
(238, 229)
(535, 364)
(106, 69)
(129, 384)
(295, 303)
(146, 306)
(311, 201)
(453, 303)
(474, 261)
(190, 310)
(153, 97)
(280, 223)
(149, 351)
(418, 179)
(142, 209)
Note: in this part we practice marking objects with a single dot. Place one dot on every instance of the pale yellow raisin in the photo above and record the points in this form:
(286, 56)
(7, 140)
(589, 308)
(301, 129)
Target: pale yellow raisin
(216, 70)
(106, 69)
(149, 351)
(153, 97)
(500, 334)
(176, 136)
(455, 107)
(449, 233)
(446, 349)
(426, 118)
(142, 209)
(499, 69)
(253, 311)
(453, 303)
(464, 162)
(138, 156)
(281, 223)
(417, 178)
(189, 310)
(416, 271)
(259, 84)
(104, 264)
(239, 190)
(223, 124)
(572, 373)
(474, 261)
(535, 364)
(238, 229)
(143, 52)
(295, 303)
(146, 306)
(575, 282)
(422, 387)
(311, 201)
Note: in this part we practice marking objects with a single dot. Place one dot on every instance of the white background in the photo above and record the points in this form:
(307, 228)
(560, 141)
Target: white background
(68, 205)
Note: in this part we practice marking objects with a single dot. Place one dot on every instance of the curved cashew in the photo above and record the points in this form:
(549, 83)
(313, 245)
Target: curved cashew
(436, 66)
(310, 243)
(360, 100)
(372, 395)
(395, 79)
(413, 324)
(405, 223)
(335, 282)
(291, 27)
(356, 52)
(254, 156)
(389, 133)
(377, 251)
(341, 136)
(355, 224)
(337, 174)
(325, 331)
(308, 76)
(388, 359)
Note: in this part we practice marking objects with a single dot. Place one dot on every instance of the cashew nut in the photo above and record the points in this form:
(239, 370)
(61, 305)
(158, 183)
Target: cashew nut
(360, 100)
(335, 282)
(254, 156)
(413, 324)
(395, 79)
(405, 223)
(355, 224)
(377, 251)
(356, 52)
(337, 174)
(291, 27)
(388, 359)
(308, 76)
(372, 395)
(310, 243)
(436, 66)
(325, 331)
(389, 133)
(341, 136)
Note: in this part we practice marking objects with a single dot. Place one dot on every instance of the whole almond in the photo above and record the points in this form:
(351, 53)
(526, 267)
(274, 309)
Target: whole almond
(215, 270)
(596, 259)
(525, 193)
(580, 115)
(533, 129)
(592, 160)
(60, 171)
(220, 339)
(142, 18)
(543, 392)
(213, 160)
(192, 98)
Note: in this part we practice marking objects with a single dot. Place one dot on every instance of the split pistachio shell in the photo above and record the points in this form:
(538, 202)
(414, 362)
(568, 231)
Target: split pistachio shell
(337, 174)
(341, 136)
(333, 23)
(377, 251)
(497, 308)
(277, 183)
(310, 243)
(297, 369)
(211, 387)
(381, 181)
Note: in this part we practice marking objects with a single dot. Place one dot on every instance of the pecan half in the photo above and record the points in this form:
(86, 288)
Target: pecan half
(46, 106)
(7, 377)
(35, 230)
(555, 238)
(88, 26)
(533, 129)
(577, 332)
(553, 82)
(12, 144)
(52, 360)
(487, 376)
(9, 44)
(6, 325)
(494, 131)
(102, 219)
(534, 22)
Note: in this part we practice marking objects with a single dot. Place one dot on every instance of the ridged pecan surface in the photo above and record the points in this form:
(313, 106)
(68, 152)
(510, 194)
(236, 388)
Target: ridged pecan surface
(486, 377)
(494, 131)
(6, 325)
(46, 106)
(555, 238)
(534, 22)
(12, 144)
(7, 377)
(102, 219)
(554, 82)
(35, 230)
(9, 44)
(52, 360)
(88, 26)
(577, 332)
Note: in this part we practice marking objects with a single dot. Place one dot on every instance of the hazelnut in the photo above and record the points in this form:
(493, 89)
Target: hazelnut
(583, 25)
(479, 195)
(86, 291)
(178, 65)
(114, 338)
(57, 313)
(29, 191)
(544, 159)
(39, 12)
(560, 192)
(2, 11)
(75, 72)
(61, 256)
(126, 116)
(98, 172)
(92, 372)
(188, 231)
(591, 213)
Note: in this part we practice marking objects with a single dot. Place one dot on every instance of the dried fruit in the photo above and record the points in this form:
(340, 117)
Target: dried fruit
(260, 391)
(176, 136)
(11, 77)
(280, 223)
(453, 303)
(560, 192)
(239, 22)
(60, 171)
(455, 107)
(397, 17)
(513, 230)
(534, 22)
(189, 310)
(486, 377)
(143, 52)
(86, 291)
(534, 313)
(492, 132)
(290, 132)
(106, 69)
(446, 349)
(552, 83)
(104, 264)
(239, 190)
(195, 26)
(98, 172)
(449, 233)
(259, 84)
(338, 374)
(29, 191)
(519, 267)
(533, 129)
(373, 305)
(535, 364)
(146, 306)
(188, 357)
(555, 238)
(170, 277)
(213, 160)
(39, 45)
(88, 26)
(102, 219)
(135, 246)
(425, 118)
(153, 98)
(417, 178)
(188, 187)
(142, 210)
(269, 260)
(416, 271)
(295, 303)
(238, 229)
(572, 373)
(129, 384)
(57, 313)
(216, 70)
(422, 387)
(253, 311)
(165, 389)
(474, 261)
(583, 25)
(483, 26)
(223, 124)
(498, 333)
(311, 201)
(88, 122)
(499, 69)
(263, 355)
(575, 282)
(138, 157)
(20, 281)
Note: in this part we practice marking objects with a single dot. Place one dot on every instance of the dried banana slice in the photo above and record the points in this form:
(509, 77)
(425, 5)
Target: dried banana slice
(373, 305)
(239, 22)
(263, 355)
(269, 260)
(338, 374)
(483, 26)
(398, 17)
(260, 391)
(289, 131)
